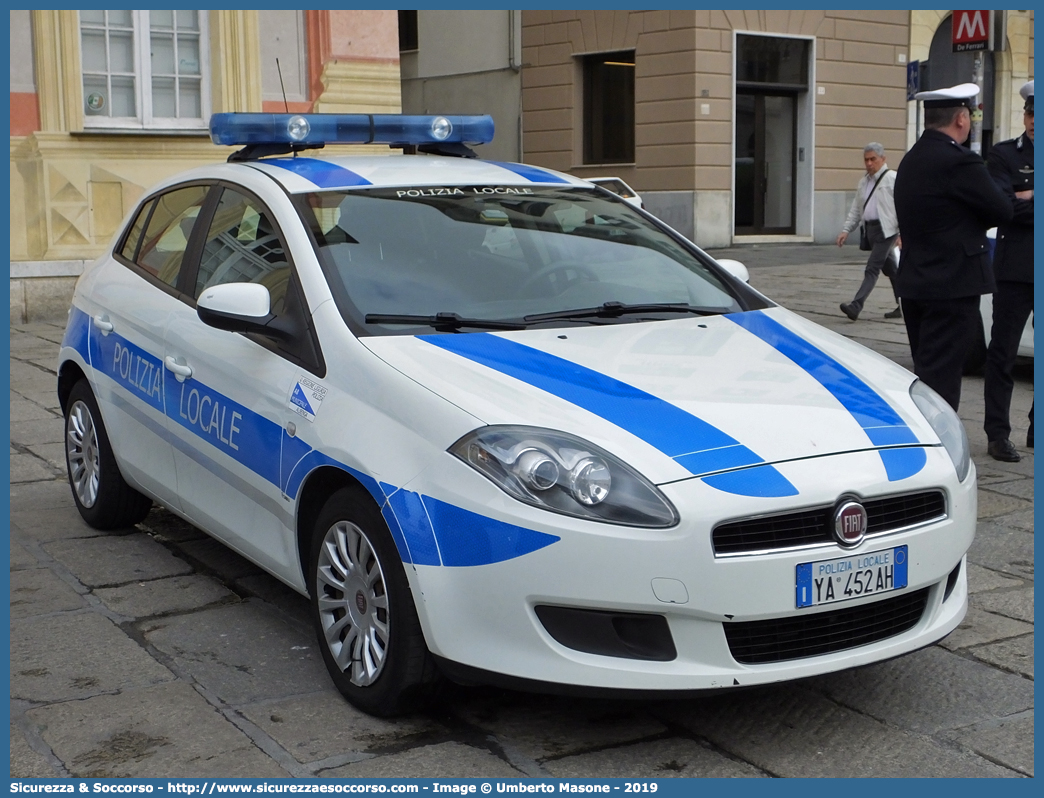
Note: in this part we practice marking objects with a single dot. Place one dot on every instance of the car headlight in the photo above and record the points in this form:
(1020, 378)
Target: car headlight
(565, 474)
(947, 425)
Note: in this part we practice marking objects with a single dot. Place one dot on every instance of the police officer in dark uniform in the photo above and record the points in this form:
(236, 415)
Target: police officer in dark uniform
(1011, 166)
(945, 202)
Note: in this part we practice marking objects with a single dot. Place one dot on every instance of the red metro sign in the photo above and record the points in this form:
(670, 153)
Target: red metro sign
(971, 31)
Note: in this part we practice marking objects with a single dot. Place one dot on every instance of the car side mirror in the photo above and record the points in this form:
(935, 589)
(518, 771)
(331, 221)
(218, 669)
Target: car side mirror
(238, 307)
(735, 268)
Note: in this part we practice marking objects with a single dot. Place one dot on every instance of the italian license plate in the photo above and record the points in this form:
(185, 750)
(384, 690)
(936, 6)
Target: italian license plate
(827, 581)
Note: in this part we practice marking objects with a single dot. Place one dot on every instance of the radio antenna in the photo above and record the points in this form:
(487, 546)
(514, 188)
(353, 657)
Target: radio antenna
(282, 88)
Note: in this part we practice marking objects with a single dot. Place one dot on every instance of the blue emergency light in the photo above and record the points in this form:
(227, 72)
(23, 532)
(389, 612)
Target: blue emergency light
(315, 130)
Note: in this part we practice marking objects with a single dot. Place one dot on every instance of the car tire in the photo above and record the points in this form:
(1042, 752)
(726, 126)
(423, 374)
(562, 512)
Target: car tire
(102, 496)
(363, 610)
(975, 360)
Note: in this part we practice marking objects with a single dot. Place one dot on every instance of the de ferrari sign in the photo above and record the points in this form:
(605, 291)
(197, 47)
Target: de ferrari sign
(971, 31)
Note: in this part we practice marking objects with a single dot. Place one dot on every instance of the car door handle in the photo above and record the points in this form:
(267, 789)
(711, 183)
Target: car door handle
(181, 371)
(103, 324)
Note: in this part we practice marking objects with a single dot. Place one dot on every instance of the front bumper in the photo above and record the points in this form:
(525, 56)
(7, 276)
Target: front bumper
(485, 618)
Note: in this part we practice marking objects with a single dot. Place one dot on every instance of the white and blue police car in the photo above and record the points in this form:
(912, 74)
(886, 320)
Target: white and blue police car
(501, 426)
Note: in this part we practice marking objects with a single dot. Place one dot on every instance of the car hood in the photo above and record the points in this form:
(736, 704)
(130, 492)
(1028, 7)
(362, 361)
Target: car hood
(680, 398)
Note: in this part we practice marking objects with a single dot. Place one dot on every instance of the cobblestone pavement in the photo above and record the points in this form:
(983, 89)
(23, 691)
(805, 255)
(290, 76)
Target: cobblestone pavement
(159, 652)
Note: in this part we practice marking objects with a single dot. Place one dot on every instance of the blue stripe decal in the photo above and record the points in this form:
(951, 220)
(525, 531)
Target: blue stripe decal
(323, 173)
(692, 442)
(529, 172)
(902, 463)
(882, 425)
(128, 365)
(247, 437)
(468, 539)
(76, 332)
(760, 481)
(416, 528)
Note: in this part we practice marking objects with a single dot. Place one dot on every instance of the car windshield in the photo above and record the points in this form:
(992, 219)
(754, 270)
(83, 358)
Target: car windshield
(457, 257)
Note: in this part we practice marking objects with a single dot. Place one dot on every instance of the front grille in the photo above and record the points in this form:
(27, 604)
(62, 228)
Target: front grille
(815, 525)
(796, 637)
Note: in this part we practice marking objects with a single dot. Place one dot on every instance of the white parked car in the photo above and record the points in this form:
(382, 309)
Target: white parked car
(976, 358)
(501, 427)
(618, 187)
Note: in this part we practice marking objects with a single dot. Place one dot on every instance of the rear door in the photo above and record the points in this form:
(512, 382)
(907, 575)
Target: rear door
(134, 296)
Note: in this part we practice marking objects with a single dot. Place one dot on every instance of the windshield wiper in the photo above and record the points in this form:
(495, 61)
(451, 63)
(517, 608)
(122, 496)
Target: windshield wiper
(443, 321)
(609, 310)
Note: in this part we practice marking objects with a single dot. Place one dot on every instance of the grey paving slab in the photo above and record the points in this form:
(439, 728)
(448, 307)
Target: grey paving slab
(993, 504)
(794, 732)
(105, 659)
(27, 763)
(1008, 742)
(323, 725)
(981, 580)
(929, 690)
(543, 726)
(34, 497)
(45, 398)
(1020, 520)
(1021, 488)
(1003, 549)
(164, 596)
(1011, 603)
(163, 525)
(27, 467)
(242, 653)
(981, 627)
(272, 591)
(31, 378)
(52, 453)
(21, 558)
(659, 759)
(443, 761)
(60, 523)
(1012, 655)
(154, 732)
(39, 591)
(105, 561)
(46, 430)
(24, 410)
(219, 559)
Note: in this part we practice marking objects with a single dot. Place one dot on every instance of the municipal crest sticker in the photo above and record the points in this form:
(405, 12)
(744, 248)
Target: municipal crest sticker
(307, 397)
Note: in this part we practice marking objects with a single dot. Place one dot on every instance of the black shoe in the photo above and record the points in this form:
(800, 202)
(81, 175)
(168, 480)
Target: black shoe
(849, 311)
(1003, 450)
(895, 314)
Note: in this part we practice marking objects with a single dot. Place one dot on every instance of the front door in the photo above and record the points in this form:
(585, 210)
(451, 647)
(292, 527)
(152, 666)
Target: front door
(231, 393)
(765, 137)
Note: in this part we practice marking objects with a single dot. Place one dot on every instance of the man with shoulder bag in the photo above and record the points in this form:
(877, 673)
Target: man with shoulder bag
(873, 209)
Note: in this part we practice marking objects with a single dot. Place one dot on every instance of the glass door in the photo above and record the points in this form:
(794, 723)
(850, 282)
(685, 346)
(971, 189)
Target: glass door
(765, 149)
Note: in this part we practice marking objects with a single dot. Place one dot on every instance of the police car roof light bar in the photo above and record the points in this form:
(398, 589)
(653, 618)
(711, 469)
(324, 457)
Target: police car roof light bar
(302, 131)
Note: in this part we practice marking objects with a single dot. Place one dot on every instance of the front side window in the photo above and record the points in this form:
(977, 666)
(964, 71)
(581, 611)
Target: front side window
(609, 107)
(242, 246)
(509, 254)
(144, 69)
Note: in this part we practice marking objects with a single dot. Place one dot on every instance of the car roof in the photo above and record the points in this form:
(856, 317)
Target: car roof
(305, 174)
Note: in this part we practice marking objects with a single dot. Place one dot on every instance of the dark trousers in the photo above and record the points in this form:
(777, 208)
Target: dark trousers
(940, 332)
(880, 260)
(1012, 306)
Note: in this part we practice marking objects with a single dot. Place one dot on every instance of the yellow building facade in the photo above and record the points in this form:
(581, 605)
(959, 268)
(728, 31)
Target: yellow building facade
(75, 174)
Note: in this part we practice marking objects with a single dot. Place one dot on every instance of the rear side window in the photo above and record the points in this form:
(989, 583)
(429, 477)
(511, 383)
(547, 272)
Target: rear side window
(167, 234)
(130, 244)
